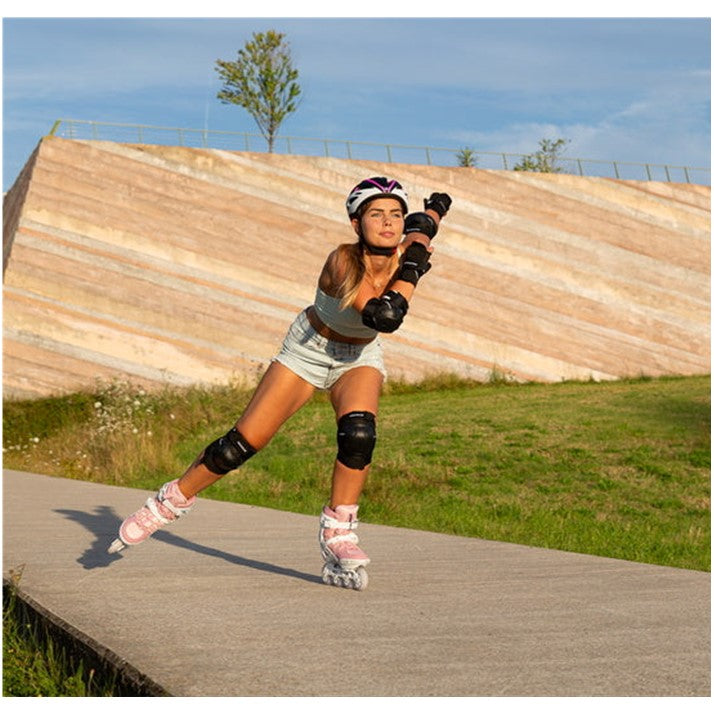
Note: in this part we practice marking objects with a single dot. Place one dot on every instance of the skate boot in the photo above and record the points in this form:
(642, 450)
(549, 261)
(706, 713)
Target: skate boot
(344, 560)
(158, 511)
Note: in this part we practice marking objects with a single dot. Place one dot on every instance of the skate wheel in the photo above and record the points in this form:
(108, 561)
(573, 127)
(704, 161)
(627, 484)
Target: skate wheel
(352, 579)
(360, 579)
(116, 546)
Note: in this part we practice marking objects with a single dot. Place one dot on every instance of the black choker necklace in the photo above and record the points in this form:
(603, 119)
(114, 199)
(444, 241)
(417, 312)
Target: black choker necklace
(374, 250)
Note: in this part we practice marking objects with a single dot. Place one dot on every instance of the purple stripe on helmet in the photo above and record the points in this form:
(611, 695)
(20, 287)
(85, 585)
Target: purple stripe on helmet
(381, 188)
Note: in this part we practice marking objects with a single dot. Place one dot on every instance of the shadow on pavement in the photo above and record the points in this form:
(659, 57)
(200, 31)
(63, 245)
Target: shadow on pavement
(104, 524)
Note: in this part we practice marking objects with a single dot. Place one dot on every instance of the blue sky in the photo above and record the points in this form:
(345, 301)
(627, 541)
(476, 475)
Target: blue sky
(618, 89)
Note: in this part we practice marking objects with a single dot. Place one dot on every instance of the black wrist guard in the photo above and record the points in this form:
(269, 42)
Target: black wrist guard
(439, 202)
(415, 263)
(385, 314)
(420, 223)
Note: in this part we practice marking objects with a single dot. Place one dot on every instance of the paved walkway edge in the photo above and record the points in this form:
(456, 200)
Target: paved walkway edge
(128, 680)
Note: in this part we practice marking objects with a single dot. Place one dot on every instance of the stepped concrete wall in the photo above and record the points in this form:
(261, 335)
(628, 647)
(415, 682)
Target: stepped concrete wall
(170, 264)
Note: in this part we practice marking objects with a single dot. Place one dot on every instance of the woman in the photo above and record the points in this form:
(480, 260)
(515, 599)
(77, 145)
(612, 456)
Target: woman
(364, 289)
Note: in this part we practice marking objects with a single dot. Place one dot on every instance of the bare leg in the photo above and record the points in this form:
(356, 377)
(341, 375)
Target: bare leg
(277, 397)
(357, 390)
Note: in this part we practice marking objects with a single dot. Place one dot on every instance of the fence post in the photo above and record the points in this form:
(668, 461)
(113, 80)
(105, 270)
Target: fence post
(428, 157)
(55, 126)
(349, 149)
(666, 171)
(617, 173)
(389, 153)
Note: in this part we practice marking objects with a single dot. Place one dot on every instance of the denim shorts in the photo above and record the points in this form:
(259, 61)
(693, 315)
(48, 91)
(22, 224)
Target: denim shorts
(320, 361)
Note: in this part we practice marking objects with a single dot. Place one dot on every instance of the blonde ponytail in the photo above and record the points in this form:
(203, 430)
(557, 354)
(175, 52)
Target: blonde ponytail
(353, 268)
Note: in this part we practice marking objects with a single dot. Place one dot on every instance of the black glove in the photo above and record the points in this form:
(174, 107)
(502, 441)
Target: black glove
(438, 202)
(415, 263)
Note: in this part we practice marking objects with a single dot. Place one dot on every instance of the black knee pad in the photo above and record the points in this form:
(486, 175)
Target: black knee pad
(356, 437)
(227, 453)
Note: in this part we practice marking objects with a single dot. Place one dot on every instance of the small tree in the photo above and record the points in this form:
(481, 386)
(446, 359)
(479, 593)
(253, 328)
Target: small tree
(466, 157)
(263, 81)
(545, 159)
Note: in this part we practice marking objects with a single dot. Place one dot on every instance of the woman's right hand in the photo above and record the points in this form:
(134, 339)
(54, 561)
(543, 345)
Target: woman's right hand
(439, 203)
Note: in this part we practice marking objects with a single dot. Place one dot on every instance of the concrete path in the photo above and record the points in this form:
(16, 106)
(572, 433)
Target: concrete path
(229, 602)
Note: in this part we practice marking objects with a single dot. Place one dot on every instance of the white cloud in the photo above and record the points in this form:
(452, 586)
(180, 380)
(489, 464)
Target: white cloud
(535, 55)
(630, 90)
(664, 120)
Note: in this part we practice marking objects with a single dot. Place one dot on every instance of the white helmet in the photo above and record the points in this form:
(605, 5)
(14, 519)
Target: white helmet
(376, 187)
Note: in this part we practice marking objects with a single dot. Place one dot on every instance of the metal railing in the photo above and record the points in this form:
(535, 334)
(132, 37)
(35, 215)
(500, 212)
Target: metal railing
(391, 153)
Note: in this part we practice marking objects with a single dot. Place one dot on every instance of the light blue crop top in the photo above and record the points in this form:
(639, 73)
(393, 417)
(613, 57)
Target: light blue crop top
(347, 322)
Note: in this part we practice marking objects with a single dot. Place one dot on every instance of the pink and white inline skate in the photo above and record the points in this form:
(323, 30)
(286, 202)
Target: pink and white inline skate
(159, 510)
(345, 562)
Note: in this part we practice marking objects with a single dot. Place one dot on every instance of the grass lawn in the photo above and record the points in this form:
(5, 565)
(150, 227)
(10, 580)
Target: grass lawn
(619, 469)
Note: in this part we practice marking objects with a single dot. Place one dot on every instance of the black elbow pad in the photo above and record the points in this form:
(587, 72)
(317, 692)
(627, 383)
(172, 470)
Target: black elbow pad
(420, 223)
(385, 314)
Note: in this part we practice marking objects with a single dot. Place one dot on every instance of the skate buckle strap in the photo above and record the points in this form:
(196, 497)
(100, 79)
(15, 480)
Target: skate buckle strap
(329, 522)
(341, 537)
(178, 511)
(153, 507)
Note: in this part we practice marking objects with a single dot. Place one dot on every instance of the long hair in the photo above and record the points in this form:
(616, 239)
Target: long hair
(353, 266)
